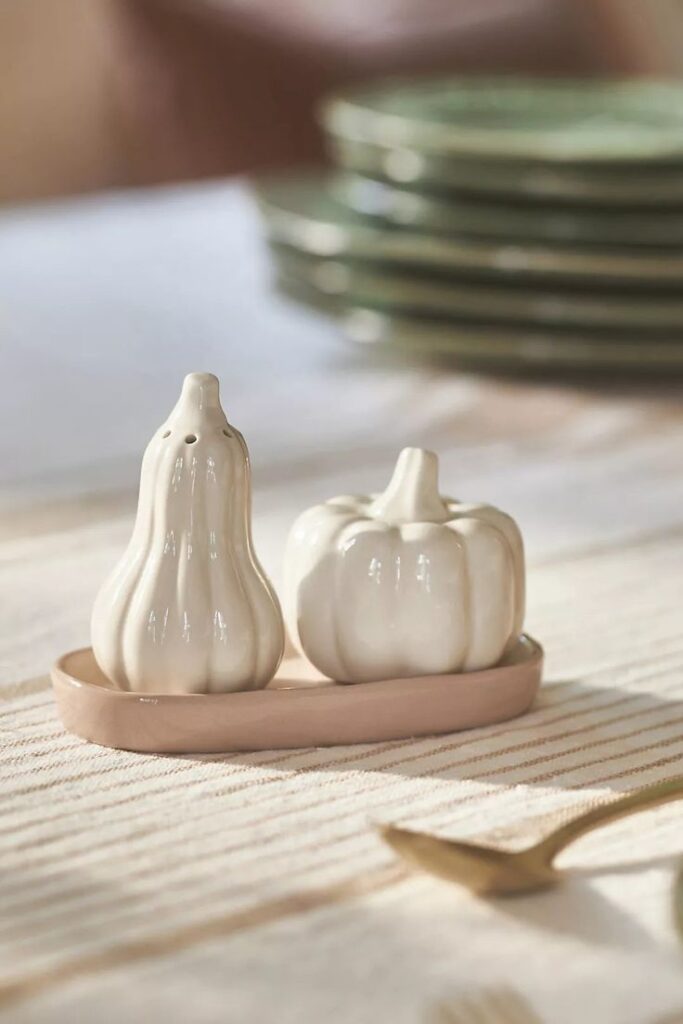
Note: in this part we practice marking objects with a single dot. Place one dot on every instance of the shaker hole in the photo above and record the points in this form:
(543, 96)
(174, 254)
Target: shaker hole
(190, 439)
(166, 433)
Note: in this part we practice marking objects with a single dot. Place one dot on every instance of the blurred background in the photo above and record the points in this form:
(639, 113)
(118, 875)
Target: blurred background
(108, 93)
(132, 250)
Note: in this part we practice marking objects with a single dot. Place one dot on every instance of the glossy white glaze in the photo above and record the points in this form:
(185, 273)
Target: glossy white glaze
(405, 583)
(188, 609)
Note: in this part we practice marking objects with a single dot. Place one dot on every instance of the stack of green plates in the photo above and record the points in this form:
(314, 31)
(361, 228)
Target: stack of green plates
(496, 220)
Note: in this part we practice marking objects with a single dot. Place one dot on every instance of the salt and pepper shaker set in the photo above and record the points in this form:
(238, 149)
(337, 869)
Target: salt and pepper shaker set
(401, 584)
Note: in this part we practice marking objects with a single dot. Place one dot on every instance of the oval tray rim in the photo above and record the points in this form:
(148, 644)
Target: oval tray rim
(297, 716)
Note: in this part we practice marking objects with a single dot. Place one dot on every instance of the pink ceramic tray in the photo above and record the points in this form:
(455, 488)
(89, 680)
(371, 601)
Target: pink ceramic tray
(298, 709)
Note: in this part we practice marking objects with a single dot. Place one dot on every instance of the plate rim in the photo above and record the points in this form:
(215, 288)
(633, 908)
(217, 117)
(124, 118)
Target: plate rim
(351, 111)
(323, 235)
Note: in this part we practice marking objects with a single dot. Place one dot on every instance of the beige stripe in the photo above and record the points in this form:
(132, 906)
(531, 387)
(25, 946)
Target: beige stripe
(176, 765)
(675, 1017)
(494, 791)
(615, 757)
(379, 783)
(481, 797)
(344, 858)
(606, 741)
(98, 755)
(22, 988)
(148, 791)
(317, 846)
(617, 845)
(588, 663)
(268, 817)
(31, 843)
(32, 762)
(626, 772)
(25, 688)
(8, 710)
(272, 856)
(621, 773)
(123, 760)
(33, 746)
(643, 539)
(64, 515)
(375, 787)
(613, 777)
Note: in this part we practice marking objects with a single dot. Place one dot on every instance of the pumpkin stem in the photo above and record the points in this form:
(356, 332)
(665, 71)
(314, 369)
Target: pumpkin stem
(413, 492)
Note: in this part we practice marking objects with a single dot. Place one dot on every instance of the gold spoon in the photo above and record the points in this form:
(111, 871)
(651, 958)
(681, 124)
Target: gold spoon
(678, 904)
(493, 872)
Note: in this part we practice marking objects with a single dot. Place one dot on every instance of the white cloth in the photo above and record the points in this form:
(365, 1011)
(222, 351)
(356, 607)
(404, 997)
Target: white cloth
(257, 880)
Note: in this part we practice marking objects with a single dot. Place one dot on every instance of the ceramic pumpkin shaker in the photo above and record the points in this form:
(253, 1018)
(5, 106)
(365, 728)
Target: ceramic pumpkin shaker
(404, 583)
(188, 609)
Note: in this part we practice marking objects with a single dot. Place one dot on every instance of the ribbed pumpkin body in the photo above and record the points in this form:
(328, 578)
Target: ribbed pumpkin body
(188, 609)
(404, 584)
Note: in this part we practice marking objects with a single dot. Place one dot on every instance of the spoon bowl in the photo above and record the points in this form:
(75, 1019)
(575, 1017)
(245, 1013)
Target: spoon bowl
(484, 870)
(490, 871)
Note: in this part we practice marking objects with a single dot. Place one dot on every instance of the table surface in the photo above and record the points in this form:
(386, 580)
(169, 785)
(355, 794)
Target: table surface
(254, 886)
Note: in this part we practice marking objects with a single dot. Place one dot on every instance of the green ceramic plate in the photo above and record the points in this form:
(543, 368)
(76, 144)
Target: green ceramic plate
(302, 291)
(550, 120)
(486, 344)
(521, 180)
(338, 283)
(486, 219)
(303, 214)
(506, 347)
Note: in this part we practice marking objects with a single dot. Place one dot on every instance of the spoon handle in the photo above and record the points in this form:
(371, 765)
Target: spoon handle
(639, 800)
(678, 901)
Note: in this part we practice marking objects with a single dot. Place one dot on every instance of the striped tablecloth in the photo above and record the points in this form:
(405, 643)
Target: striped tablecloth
(253, 887)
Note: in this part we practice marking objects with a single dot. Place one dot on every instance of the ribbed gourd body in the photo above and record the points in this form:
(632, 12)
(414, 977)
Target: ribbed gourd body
(188, 608)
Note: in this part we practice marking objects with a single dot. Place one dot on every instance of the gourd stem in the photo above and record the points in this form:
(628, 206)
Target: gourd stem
(200, 392)
(413, 492)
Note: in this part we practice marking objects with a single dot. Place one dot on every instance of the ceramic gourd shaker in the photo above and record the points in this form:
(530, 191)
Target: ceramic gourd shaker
(188, 609)
(405, 583)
